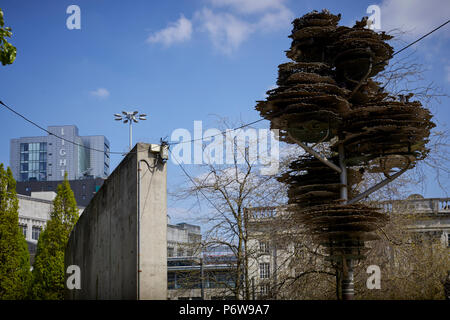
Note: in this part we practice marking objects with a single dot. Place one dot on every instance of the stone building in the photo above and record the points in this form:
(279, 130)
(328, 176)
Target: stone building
(34, 212)
(183, 240)
(270, 251)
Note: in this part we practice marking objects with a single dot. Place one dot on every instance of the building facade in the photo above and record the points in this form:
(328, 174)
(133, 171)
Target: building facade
(271, 249)
(183, 240)
(47, 158)
(34, 212)
(194, 273)
(83, 189)
(201, 278)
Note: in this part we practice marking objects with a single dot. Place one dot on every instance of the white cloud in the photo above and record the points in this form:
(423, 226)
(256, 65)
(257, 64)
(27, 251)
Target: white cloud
(278, 19)
(225, 30)
(176, 32)
(416, 17)
(228, 30)
(100, 93)
(230, 23)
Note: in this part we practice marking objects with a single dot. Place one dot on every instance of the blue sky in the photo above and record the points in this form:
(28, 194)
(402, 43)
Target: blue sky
(177, 61)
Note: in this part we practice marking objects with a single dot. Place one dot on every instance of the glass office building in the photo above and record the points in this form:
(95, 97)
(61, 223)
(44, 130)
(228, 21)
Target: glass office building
(47, 158)
(33, 161)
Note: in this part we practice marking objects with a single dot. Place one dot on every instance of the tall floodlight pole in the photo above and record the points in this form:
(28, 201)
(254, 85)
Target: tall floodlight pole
(130, 117)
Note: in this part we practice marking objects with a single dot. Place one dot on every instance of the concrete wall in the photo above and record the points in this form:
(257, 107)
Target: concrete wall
(119, 242)
(152, 226)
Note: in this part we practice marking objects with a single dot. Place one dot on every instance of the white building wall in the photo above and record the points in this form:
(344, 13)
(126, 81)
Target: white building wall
(35, 211)
(183, 240)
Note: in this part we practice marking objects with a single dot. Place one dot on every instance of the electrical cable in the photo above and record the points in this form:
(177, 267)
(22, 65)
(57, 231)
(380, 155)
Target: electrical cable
(424, 36)
(57, 136)
(414, 42)
(195, 184)
(218, 134)
(194, 140)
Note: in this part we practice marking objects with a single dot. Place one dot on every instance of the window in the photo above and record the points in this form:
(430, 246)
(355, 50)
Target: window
(170, 252)
(180, 252)
(35, 232)
(264, 290)
(24, 166)
(33, 161)
(264, 270)
(24, 147)
(106, 150)
(23, 228)
(264, 247)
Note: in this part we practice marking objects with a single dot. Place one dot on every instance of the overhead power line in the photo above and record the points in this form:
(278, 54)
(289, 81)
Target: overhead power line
(414, 42)
(218, 134)
(55, 135)
(256, 121)
(422, 37)
(195, 184)
(198, 139)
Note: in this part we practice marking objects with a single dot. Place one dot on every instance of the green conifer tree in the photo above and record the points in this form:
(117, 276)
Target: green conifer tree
(15, 275)
(48, 267)
(7, 50)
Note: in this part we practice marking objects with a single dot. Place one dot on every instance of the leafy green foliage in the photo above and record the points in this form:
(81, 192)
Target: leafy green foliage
(15, 273)
(7, 50)
(48, 268)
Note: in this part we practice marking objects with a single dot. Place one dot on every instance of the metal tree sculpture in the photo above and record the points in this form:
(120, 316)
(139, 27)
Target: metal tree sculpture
(327, 96)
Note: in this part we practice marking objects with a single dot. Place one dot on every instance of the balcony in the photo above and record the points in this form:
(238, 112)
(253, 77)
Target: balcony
(413, 204)
(418, 205)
